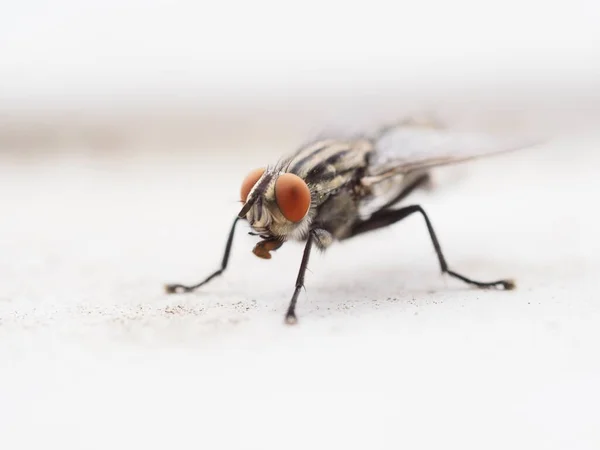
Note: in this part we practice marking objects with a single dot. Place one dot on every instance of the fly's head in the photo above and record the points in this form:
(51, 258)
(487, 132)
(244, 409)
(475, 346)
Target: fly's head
(277, 205)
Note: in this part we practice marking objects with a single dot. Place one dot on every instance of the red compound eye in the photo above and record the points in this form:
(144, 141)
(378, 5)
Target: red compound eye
(292, 196)
(249, 182)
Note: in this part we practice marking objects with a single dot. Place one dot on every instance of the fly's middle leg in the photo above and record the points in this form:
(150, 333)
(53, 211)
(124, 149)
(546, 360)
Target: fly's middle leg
(178, 288)
(388, 217)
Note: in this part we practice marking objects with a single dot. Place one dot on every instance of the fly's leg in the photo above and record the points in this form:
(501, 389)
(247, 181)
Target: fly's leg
(420, 181)
(177, 288)
(290, 316)
(388, 217)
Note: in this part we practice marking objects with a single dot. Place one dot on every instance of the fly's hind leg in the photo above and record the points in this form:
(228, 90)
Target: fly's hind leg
(384, 218)
(419, 181)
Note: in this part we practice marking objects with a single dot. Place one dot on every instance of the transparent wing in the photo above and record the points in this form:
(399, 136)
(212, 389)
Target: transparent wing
(407, 148)
(405, 152)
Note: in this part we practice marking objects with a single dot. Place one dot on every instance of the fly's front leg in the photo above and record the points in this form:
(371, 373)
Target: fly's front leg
(177, 288)
(290, 316)
(388, 217)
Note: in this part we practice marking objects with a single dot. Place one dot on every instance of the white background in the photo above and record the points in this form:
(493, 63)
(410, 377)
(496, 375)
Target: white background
(116, 52)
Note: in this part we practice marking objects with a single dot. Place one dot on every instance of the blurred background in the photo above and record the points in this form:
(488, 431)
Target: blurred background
(100, 77)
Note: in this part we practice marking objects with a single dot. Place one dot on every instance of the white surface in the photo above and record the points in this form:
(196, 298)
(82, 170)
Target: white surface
(387, 353)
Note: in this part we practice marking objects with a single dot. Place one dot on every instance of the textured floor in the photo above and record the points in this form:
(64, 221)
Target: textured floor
(387, 353)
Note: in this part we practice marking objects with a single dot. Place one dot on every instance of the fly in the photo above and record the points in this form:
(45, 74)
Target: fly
(335, 189)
